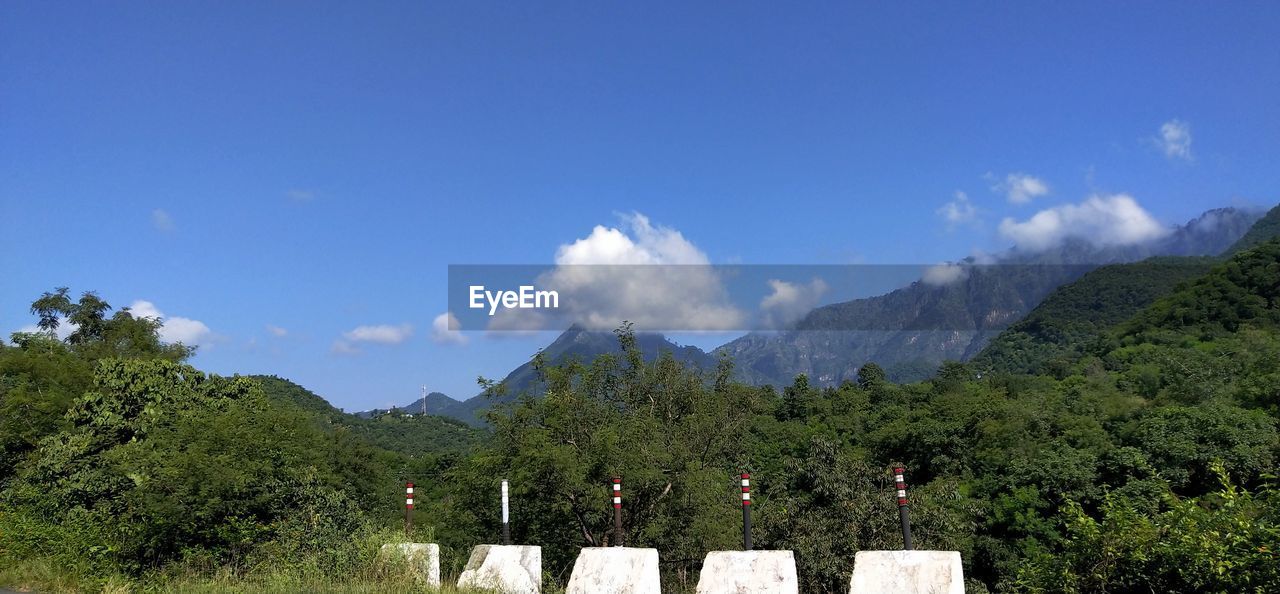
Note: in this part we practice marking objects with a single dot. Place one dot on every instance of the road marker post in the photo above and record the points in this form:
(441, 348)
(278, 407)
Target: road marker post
(746, 511)
(506, 516)
(408, 509)
(617, 512)
(904, 511)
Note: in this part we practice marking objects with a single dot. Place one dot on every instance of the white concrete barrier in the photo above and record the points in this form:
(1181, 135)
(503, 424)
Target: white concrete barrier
(749, 572)
(422, 559)
(509, 569)
(615, 570)
(907, 572)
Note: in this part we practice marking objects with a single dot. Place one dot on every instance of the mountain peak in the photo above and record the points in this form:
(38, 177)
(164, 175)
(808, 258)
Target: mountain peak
(911, 330)
(1262, 230)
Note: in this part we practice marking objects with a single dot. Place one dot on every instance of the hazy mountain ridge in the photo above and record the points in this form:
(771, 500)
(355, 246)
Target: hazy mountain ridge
(1059, 330)
(1065, 326)
(438, 403)
(435, 433)
(908, 331)
(575, 342)
(1265, 229)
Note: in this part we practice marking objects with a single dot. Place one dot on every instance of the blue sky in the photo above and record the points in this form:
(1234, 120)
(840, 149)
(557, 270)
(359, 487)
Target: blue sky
(316, 167)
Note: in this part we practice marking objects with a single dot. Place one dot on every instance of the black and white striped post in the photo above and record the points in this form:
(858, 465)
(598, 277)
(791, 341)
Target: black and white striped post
(617, 511)
(408, 508)
(506, 516)
(746, 511)
(903, 511)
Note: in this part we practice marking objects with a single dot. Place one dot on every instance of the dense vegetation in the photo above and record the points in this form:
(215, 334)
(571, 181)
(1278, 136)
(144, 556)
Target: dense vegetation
(398, 431)
(1263, 230)
(120, 461)
(911, 331)
(1140, 457)
(1066, 325)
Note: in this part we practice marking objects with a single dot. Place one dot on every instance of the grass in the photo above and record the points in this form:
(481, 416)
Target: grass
(351, 567)
(49, 577)
(351, 564)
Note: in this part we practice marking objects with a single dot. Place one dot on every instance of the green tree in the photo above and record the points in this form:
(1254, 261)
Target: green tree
(870, 375)
(40, 376)
(1227, 541)
(676, 440)
(160, 461)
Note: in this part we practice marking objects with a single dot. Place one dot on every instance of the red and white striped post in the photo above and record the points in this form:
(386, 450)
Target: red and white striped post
(617, 511)
(408, 508)
(746, 511)
(903, 511)
(506, 518)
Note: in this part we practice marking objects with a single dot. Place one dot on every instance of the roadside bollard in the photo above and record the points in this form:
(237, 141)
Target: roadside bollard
(903, 511)
(746, 511)
(617, 511)
(506, 516)
(408, 508)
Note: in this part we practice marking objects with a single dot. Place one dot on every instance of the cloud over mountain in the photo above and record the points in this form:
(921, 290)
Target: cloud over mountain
(1109, 220)
(640, 272)
(789, 302)
(943, 274)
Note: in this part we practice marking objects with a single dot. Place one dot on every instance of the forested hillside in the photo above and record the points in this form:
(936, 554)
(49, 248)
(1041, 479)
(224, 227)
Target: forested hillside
(121, 461)
(1145, 467)
(908, 332)
(1265, 229)
(1145, 462)
(574, 344)
(1065, 325)
(398, 431)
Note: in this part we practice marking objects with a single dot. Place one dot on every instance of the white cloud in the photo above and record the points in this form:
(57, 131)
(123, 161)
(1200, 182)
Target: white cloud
(277, 331)
(1102, 220)
(64, 330)
(1175, 140)
(790, 301)
(161, 220)
(944, 274)
(342, 347)
(1020, 188)
(959, 210)
(649, 275)
(145, 309)
(446, 329)
(380, 334)
(174, 329)
(185, 331)
(646, 244)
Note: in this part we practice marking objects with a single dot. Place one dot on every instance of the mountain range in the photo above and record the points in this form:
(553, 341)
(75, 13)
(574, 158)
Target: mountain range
(910, 331)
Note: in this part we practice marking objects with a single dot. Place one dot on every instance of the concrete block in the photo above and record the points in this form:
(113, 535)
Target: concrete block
(749, 572)
(615, 570)
(421, 559)
(509, 569)
(907, 572)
